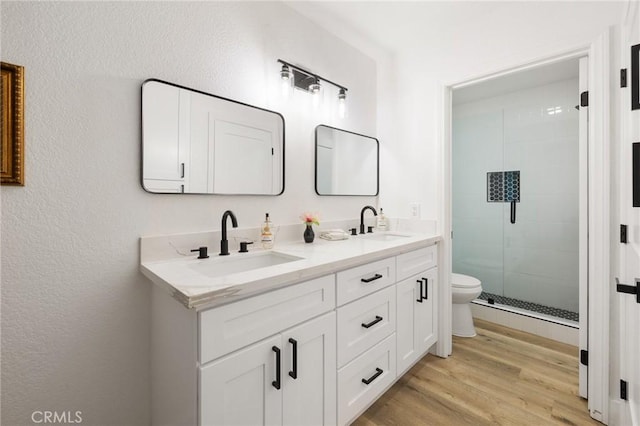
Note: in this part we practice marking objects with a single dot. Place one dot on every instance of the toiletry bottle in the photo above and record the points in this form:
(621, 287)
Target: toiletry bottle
(266, 234)
(382, 223)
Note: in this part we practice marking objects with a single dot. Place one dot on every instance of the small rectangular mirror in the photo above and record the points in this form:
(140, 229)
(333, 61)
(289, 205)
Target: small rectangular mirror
(347, 163)
(197, 143)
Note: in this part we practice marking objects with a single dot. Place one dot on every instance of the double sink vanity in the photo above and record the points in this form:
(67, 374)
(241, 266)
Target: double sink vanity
(300, 334)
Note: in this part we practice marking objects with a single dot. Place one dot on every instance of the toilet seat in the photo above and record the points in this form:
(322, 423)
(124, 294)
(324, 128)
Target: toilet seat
(464, 281)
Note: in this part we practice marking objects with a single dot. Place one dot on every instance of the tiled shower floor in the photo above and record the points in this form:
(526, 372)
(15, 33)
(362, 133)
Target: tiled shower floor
(534, 307)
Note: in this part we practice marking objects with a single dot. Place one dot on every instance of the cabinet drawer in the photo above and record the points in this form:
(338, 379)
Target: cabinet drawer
(376, 366)
(416, 261)
(365, 322)
(230, 327)
(362, 280)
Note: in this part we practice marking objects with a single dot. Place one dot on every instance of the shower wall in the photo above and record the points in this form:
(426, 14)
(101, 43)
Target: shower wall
(534, 131)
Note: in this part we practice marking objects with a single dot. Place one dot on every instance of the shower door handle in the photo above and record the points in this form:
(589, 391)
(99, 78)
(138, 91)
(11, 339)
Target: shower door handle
(513, 211)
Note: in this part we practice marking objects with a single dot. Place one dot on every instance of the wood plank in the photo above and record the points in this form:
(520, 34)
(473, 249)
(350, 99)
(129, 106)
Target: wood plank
(502, 376)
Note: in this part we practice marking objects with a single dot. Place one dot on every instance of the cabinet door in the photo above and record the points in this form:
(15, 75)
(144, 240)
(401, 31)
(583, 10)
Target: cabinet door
(416, 318)
(425, 314)
(408, 301)
(310, 397)
(238, 389)
(165, 149)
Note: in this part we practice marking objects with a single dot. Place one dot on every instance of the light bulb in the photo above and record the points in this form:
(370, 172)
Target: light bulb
(342, 103)
(316, 91)
(285, 75)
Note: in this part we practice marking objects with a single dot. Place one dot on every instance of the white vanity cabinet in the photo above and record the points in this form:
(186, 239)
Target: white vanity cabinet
(268, 359)
(416, 293)
(366, 335)
(286, 379)
(318, 352)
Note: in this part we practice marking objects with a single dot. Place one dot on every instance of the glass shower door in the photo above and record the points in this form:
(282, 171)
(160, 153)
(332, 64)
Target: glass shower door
(541, 248)
(515, 197)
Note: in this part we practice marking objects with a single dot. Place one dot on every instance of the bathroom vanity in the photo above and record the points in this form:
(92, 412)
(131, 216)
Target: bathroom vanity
(303, 334)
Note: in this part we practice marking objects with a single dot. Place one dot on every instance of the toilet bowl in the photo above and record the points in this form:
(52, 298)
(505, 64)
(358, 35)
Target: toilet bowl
(464, 289)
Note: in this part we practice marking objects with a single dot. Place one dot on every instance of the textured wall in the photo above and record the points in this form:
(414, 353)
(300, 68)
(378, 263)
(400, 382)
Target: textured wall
(75, 309)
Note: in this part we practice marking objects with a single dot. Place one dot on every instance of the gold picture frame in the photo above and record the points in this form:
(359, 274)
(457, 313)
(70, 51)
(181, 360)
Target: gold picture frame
(12, 163)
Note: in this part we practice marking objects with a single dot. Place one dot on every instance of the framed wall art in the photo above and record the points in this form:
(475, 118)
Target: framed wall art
(12, 164)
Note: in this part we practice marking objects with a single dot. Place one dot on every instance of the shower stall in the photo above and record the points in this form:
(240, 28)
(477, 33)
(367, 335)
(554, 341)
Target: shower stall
(516, 191)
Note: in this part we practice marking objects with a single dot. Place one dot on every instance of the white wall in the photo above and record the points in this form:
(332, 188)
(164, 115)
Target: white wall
(505, 36)
(75, 309)
(534, 131)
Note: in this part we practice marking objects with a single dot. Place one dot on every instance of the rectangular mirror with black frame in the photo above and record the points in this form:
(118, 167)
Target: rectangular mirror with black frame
(347, 163)
(198, 143)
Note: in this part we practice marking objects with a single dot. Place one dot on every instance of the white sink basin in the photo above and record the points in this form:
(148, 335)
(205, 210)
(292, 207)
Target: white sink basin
(217, 266)
(383, 236)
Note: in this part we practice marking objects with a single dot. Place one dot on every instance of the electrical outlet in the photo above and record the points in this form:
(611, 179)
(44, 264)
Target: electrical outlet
(414, 210)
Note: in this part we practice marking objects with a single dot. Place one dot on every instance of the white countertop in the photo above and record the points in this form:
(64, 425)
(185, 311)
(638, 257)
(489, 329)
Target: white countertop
(322, 257)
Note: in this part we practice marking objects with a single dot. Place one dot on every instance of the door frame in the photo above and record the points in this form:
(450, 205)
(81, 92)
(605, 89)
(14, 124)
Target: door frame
(624, 330)
(598, 271)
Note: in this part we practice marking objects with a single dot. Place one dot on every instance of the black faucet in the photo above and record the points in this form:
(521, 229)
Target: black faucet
(375, 213)
(224, 244)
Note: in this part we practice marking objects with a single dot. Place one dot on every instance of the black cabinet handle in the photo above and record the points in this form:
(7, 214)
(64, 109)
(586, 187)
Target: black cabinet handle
(368, 280)
(513, 212)
(419, 299)
(372, 323)
(294, 353)
(426, 289)
(372, 378)
(276, 382)
(182, 170)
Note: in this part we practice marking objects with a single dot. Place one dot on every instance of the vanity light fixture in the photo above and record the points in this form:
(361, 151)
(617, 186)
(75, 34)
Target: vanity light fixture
(309, 82)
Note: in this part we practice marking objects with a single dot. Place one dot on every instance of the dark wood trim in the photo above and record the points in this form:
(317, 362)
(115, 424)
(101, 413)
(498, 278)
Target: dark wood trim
(12, 164)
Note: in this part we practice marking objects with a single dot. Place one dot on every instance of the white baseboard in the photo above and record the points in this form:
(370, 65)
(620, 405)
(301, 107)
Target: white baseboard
(539, 327)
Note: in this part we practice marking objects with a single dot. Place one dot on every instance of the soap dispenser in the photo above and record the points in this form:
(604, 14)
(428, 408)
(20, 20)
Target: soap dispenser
(382, 223)
(266, 234)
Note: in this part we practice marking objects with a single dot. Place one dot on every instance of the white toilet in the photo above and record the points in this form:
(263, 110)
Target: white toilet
(464, 289)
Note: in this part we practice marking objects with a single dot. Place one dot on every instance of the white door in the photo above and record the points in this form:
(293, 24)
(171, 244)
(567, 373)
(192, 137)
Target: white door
(239, 389)
(629, 271)
(583, 228)
(254, 175)
(309, 373)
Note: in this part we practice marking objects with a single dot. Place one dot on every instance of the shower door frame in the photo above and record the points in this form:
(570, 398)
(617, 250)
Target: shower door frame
(595, 250)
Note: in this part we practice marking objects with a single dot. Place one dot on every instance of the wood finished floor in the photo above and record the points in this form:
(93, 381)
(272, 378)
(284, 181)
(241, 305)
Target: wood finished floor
(502, 376)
